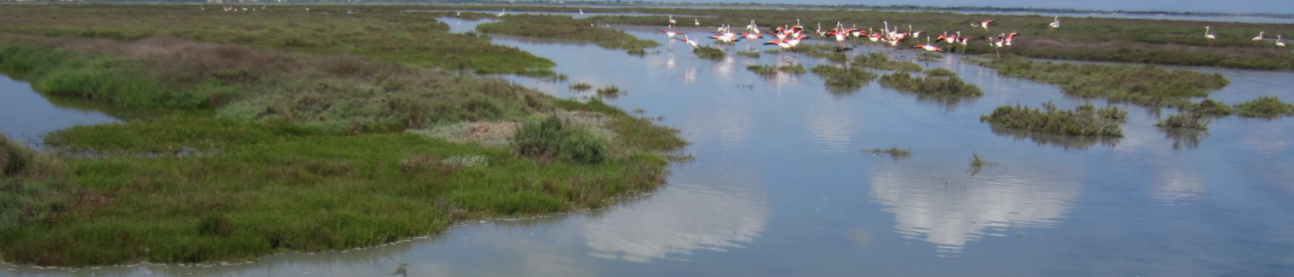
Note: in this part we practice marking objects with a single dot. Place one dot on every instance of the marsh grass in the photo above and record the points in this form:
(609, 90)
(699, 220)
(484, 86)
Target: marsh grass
(378, 33)
(894, 152)
(306, 153)
(1187, 120)
(1265, 107)
(709, 53)
(566, 28)
(581, 86)
(937, 81)
(748, 53)
(852, 77)
(883, 62)
(763, 70)
(610, 92)
(796, 69)
(978, 163)
(1085, 120)
(1142, 85)
(1208, 107)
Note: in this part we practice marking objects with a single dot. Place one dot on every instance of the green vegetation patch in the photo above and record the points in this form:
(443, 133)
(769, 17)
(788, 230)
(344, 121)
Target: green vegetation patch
(852, 77)
(566, 28)
(1187, 120)
(1208, 107)
(297, 152)
(937, 81)
(1265, 107)
(883, 62)
(1086, 120)
(894, 152)
(748, 53)
(709, 53)
(376, 33)
(1142, 85)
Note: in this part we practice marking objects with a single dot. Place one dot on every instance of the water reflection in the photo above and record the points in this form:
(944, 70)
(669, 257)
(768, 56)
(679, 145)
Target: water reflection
(1064, 142)
(676, 222)
(934, 203)
(1185, 138)
(1175, 185)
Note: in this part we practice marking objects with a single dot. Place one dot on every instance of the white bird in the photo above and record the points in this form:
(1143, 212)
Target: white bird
(1279, 42)
(689, 41)
(1210, 36)
(503, 13)
(581, 11)
(1055, 23)
(671, 20)
(1258, 38)
(696, 22)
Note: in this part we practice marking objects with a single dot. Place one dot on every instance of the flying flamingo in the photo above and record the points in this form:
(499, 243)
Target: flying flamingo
(965, 43)
(1055, 23)
(688, 41)
(983, 24)
(1258, 38)
(928, 47)
(1210, 36)
(997, 45)
(671, 33)
(1010, 37)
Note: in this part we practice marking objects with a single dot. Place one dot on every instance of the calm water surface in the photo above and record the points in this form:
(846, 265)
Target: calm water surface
(26, 116)
(779, 187)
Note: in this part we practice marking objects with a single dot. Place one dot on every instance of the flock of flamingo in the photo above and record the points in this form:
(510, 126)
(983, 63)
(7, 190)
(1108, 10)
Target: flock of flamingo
(790, 36)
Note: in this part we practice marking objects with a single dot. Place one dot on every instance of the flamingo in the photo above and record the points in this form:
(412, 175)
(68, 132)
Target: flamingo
(997, 46)
(1055, 23)
(689, 41)
(671, 20)
(928, 47)
(671, 33)
(696, 22)
(1258, 38)
(1010, 37)
(915, 34)
(1210, 36)
(780, 43)
(503, 13)
(581, 11)
(1280, 43)
(965, 43)
(983, 24)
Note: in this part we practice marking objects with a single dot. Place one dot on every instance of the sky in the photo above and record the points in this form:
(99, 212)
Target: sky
(1231, 6)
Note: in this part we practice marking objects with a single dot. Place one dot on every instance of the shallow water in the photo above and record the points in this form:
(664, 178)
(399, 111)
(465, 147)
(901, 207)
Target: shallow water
(779, 187)
(27, 116)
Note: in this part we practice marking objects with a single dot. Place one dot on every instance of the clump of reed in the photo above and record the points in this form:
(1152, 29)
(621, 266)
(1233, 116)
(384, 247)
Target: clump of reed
(581, 86)
(553, 138)
(883, 62)
(852, 77)
(748, 53)
(764, 70)
(1208, 107)
(1265, 107)
(894, 152)
(796, 69)
(1085, 120)
(610, 92)
(937, 81)
(1186, 120)
(709, 53)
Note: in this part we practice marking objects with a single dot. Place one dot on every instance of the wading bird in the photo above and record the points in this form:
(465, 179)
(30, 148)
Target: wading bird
(1279, 42)
(1258, 38)
(1210, 36)
(1010, 37)
(982, 24)
(581, 11)
(503, 13)
(671, 20)
(696, 22)
(1055, 23)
